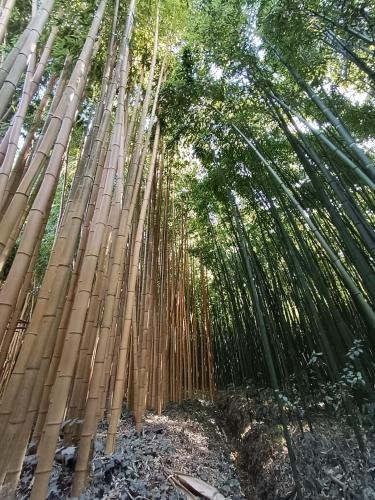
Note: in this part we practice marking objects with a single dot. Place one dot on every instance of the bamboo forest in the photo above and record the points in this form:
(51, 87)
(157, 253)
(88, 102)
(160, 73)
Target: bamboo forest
(187, 249)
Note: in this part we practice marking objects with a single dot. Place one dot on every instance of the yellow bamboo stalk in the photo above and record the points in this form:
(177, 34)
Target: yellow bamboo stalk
(120, 376)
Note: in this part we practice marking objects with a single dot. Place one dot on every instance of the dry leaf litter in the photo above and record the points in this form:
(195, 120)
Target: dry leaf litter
(192, 438)
(185, 438)
(329, 460)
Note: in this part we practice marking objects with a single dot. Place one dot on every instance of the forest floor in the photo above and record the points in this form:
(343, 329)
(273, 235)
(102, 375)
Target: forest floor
(185, 438)
(329, 460)
(234, 445)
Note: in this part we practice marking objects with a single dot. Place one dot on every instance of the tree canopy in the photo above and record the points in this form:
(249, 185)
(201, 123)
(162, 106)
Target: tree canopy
(209, 166)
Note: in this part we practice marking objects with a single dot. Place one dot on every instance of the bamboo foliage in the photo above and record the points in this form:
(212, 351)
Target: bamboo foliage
(134, 308)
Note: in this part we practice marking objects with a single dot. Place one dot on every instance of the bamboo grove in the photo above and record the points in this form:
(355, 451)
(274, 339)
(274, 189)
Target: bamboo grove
(186, 201)
(284, 193)
(118, 314)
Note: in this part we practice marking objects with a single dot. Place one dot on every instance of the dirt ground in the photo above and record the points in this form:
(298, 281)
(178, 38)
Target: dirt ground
(185, 438)
(235, 444)
(329, 461)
